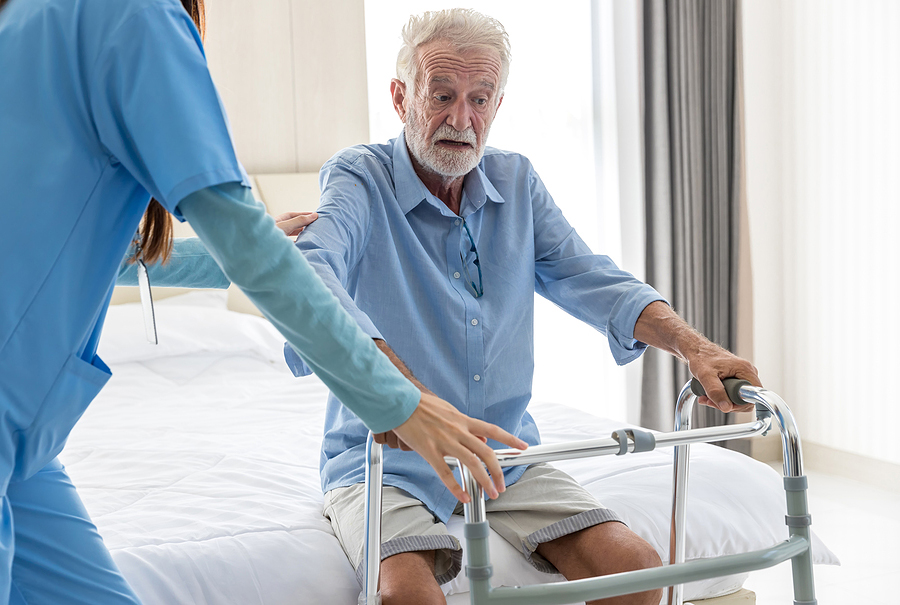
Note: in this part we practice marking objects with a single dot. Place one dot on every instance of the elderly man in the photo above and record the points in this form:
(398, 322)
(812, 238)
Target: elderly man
(436, 244)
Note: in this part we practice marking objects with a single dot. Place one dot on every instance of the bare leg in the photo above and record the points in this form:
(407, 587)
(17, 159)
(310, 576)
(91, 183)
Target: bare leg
(408, 579)
(601, 550)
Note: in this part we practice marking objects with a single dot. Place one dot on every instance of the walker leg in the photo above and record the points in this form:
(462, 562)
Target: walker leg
(477, 532)
(679, 491)
(370, 594)
(798, 521)
(798, 518)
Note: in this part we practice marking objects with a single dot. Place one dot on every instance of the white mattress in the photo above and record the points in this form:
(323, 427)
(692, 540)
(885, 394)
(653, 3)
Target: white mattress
(200, 468)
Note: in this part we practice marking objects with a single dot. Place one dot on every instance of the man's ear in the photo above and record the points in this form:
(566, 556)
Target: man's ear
(398, 96)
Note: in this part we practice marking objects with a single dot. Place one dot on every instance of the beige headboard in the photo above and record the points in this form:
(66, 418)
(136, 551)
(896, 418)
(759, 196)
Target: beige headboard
(280, 193)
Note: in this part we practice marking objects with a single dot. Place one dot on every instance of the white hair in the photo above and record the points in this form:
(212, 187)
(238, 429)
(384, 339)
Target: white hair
(462, 27)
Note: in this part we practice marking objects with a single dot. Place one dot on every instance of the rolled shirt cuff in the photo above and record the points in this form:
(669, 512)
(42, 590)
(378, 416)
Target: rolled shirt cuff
(623, 318)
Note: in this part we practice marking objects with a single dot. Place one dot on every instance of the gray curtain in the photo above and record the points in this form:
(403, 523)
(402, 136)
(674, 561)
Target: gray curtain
(693, 166)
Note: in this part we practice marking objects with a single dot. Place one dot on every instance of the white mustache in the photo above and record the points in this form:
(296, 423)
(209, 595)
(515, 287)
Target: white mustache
(448, 133)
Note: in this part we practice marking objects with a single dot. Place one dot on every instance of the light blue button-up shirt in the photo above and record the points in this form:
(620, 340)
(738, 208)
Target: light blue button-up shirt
(393, 253)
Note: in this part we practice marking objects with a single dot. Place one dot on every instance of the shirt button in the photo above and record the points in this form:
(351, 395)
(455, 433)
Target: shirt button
(476, 377)
(457, 222)
(456, 275)
(474, 322)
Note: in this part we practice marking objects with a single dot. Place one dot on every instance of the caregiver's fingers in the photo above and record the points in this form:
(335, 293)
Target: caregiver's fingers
(293, 223)
(390, 439)
(437, 429)
(485, 430)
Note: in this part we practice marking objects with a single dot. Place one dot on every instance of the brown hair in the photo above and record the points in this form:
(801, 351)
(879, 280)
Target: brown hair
(155, 232)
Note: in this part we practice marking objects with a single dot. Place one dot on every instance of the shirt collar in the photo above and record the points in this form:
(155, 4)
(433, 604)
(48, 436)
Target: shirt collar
(411, 191)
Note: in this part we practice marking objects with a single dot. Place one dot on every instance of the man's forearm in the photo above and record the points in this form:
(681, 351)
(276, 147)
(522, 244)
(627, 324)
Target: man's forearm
(660, 327)
(400, 365)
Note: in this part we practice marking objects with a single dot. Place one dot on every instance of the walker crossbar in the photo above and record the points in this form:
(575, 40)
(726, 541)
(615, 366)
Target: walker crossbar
(558, 593)
(607, 446)
(673, 575)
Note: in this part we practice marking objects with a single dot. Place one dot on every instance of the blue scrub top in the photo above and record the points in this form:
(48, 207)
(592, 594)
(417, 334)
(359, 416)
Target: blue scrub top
(104, 103)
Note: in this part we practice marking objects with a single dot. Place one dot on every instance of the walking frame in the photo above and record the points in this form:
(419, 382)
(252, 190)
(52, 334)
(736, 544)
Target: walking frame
(797, 547)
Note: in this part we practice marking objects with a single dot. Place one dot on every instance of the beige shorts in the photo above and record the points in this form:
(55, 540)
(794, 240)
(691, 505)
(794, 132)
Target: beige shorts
(545, 504)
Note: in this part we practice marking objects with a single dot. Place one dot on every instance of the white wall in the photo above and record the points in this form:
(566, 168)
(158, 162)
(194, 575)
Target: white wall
(823, 176)
(292, 76)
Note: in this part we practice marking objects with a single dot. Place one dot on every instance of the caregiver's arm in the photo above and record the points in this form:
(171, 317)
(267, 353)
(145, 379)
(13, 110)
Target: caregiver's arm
(257, 257)
(190, 264)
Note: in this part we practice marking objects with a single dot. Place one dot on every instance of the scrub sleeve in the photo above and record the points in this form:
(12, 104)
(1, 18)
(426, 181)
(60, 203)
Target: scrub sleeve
(189, 266)
(257, 257)
(240, 243)
(238, 235)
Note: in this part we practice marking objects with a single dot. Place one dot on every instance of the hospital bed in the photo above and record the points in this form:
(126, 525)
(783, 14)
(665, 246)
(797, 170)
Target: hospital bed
(199, 464)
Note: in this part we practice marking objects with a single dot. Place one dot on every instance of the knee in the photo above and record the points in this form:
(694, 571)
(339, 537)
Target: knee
(408, 579)
(645, 556)
(627, 553)
(412, 595)
(640, 555)
(631, 552)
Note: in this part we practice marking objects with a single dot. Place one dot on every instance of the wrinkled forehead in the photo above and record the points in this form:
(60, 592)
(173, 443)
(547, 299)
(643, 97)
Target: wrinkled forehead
(440, 61)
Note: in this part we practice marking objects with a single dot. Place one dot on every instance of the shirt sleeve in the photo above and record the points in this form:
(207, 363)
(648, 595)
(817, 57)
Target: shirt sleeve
(333, 244)
(190, 266)
(258, 258)
(156, 109)
(588, 286)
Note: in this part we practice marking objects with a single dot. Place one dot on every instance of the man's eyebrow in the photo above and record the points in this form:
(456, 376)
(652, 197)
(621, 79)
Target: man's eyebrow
(447, 80)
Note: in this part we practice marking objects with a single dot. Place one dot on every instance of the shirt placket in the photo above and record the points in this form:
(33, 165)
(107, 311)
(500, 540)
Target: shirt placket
(471, 322)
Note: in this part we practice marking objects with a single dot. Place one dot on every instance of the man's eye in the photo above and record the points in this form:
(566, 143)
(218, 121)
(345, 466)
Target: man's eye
(481, 101)
(442, 98)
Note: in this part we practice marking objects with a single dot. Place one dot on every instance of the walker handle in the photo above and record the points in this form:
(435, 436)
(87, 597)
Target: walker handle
(732, 389)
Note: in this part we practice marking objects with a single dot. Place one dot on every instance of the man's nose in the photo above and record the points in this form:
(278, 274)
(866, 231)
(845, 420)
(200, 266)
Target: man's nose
(460, 115)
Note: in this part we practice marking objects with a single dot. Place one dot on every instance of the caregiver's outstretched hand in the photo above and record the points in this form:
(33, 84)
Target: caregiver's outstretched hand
(437, 429)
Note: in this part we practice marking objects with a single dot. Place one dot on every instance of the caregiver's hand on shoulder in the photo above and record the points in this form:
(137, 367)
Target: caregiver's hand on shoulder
(437, 429)
(292, 223)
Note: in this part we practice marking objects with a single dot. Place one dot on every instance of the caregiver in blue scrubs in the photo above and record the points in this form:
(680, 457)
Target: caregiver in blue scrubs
(103, 105)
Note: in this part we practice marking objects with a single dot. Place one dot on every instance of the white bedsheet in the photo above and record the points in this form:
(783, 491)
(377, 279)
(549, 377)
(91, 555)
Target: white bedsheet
(201, 471)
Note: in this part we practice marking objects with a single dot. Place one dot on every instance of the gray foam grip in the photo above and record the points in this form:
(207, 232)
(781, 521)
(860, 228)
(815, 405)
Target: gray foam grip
(732, 389)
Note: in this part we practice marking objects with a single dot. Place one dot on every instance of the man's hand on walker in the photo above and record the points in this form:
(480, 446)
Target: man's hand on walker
(437, 429)
(659, 326)
(292, 223)
(712, 364)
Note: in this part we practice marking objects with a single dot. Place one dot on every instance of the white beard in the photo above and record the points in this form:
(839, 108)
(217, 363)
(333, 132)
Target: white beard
(441, 160)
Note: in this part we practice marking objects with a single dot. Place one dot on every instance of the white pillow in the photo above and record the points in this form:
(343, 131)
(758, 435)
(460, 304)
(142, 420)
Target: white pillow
(183, 329)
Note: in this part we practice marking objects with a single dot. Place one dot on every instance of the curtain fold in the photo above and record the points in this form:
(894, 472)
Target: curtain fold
(693, 173)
